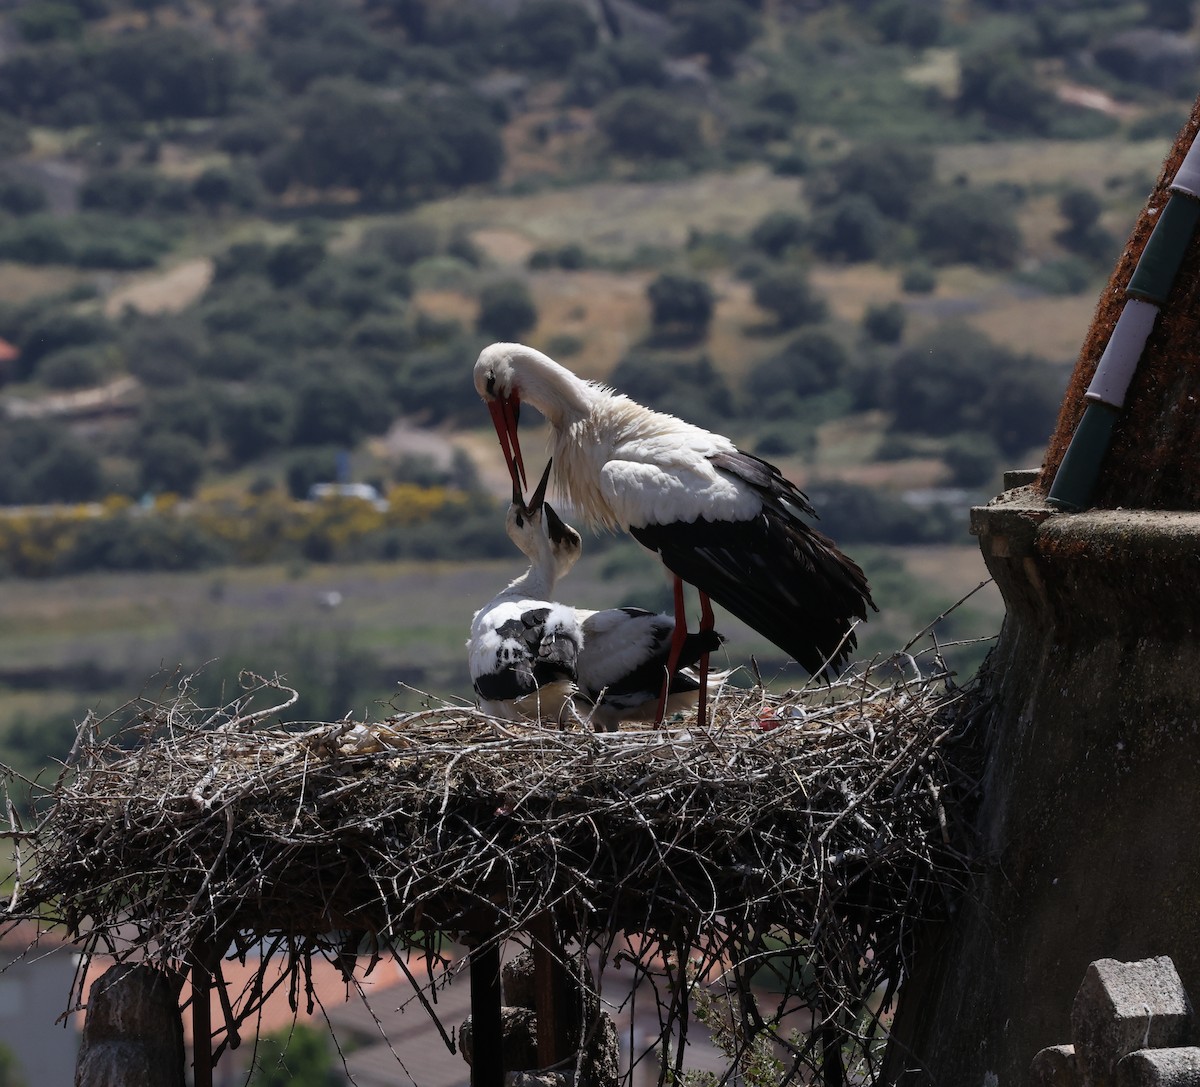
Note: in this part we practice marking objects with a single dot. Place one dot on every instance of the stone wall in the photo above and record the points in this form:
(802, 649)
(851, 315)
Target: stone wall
(1091, 790)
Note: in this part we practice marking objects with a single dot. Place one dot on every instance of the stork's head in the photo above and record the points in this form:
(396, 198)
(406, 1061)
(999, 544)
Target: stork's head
(523, 522)
(556, 543)
(496, 382)
(566, 545)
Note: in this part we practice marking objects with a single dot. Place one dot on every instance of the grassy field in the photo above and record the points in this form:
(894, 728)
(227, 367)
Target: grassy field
(348, 637)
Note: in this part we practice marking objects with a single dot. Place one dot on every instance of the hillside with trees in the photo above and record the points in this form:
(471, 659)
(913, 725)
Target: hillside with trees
(247, 247)
(292, 146)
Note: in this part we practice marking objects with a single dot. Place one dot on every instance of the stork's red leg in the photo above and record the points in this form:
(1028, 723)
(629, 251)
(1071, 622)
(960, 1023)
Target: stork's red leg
(707, 622)
(677, 640)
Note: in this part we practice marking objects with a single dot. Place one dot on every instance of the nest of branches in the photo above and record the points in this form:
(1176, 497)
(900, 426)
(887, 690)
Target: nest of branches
(789, 850)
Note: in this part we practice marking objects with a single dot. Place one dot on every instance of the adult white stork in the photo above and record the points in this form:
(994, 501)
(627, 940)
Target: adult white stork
(722, 520)
(523, 647)
(621, 665)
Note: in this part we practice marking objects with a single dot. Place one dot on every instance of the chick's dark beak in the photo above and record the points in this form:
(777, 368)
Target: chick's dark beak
(539, 493)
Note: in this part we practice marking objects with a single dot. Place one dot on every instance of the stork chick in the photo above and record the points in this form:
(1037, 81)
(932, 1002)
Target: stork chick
(623, 661)
(524, 648)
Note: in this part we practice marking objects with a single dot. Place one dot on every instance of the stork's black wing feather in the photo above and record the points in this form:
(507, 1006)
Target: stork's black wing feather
(774, 572)
(648, 676)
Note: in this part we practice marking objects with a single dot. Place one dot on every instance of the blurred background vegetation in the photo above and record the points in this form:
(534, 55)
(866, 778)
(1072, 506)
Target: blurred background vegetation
(247, 248)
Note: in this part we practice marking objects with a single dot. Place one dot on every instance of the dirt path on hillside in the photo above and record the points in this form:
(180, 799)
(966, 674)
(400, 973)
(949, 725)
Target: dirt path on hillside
(162, 292)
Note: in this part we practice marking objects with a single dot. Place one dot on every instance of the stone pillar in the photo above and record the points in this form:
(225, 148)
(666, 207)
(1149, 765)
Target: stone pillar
(133, 1032)
(1090, 803)
(1089, 800)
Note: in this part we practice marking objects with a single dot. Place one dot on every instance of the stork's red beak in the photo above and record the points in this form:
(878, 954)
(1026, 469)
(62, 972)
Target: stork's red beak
(506, 410)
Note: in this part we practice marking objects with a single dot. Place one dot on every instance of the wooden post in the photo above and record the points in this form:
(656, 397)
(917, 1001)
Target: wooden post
(487, 1064)
(202, 1062)
(557, 1014)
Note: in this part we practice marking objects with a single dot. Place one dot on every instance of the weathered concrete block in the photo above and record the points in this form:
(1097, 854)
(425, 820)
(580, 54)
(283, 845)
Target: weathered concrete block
(516, 981)
(600, 1061)
(1160, 1068)
(1054, 1067)
(1125, 1006)
(518, 1028)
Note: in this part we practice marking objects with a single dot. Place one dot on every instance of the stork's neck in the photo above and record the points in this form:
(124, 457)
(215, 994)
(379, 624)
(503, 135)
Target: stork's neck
(536, 583)
(561, 396)
(540, 578)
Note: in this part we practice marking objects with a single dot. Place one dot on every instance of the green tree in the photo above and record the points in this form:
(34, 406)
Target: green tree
(308, 466)
(973, 459)
(46, 20)
(1003, 87)
(469, 150)
(124, 192)
(789, 297)
(67, 472)
(915, 25)
(719, 29)
(548, 34)
(1176, 15)
(218, 187)
(681, 305)
(626, 62)
(168, 72)
(288, 263)
(19, 197)
(896, 176)
(644, 123)
(256, 421)
(851, 229)
(813, 362)
(1083, 234)
(391, 148)
(969, 226)
(71, 368)
(884, 322)
(54, 329)
(778, 231)
(506, 309)
(171, 463)
(957, 380)
(33, 82)
(338, 402)
(14, 137)
(189, 411)
(405, 243)
(164, 352)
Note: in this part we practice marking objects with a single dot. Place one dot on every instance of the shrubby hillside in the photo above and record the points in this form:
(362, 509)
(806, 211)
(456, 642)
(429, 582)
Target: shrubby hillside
(249, 246)
(292, 152)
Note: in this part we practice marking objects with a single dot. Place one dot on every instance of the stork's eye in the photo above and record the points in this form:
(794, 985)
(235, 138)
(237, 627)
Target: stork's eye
(520, 521)
(491, 382)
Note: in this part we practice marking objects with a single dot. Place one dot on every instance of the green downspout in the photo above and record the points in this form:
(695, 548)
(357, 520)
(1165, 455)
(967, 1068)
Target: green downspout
(1145, 294)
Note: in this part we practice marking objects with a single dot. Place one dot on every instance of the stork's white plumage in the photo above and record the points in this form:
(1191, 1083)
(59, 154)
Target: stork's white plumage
(722, 520)
(623, 661)
(524, 647)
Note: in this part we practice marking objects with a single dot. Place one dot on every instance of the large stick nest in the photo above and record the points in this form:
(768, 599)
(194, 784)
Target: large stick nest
(807, 834)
